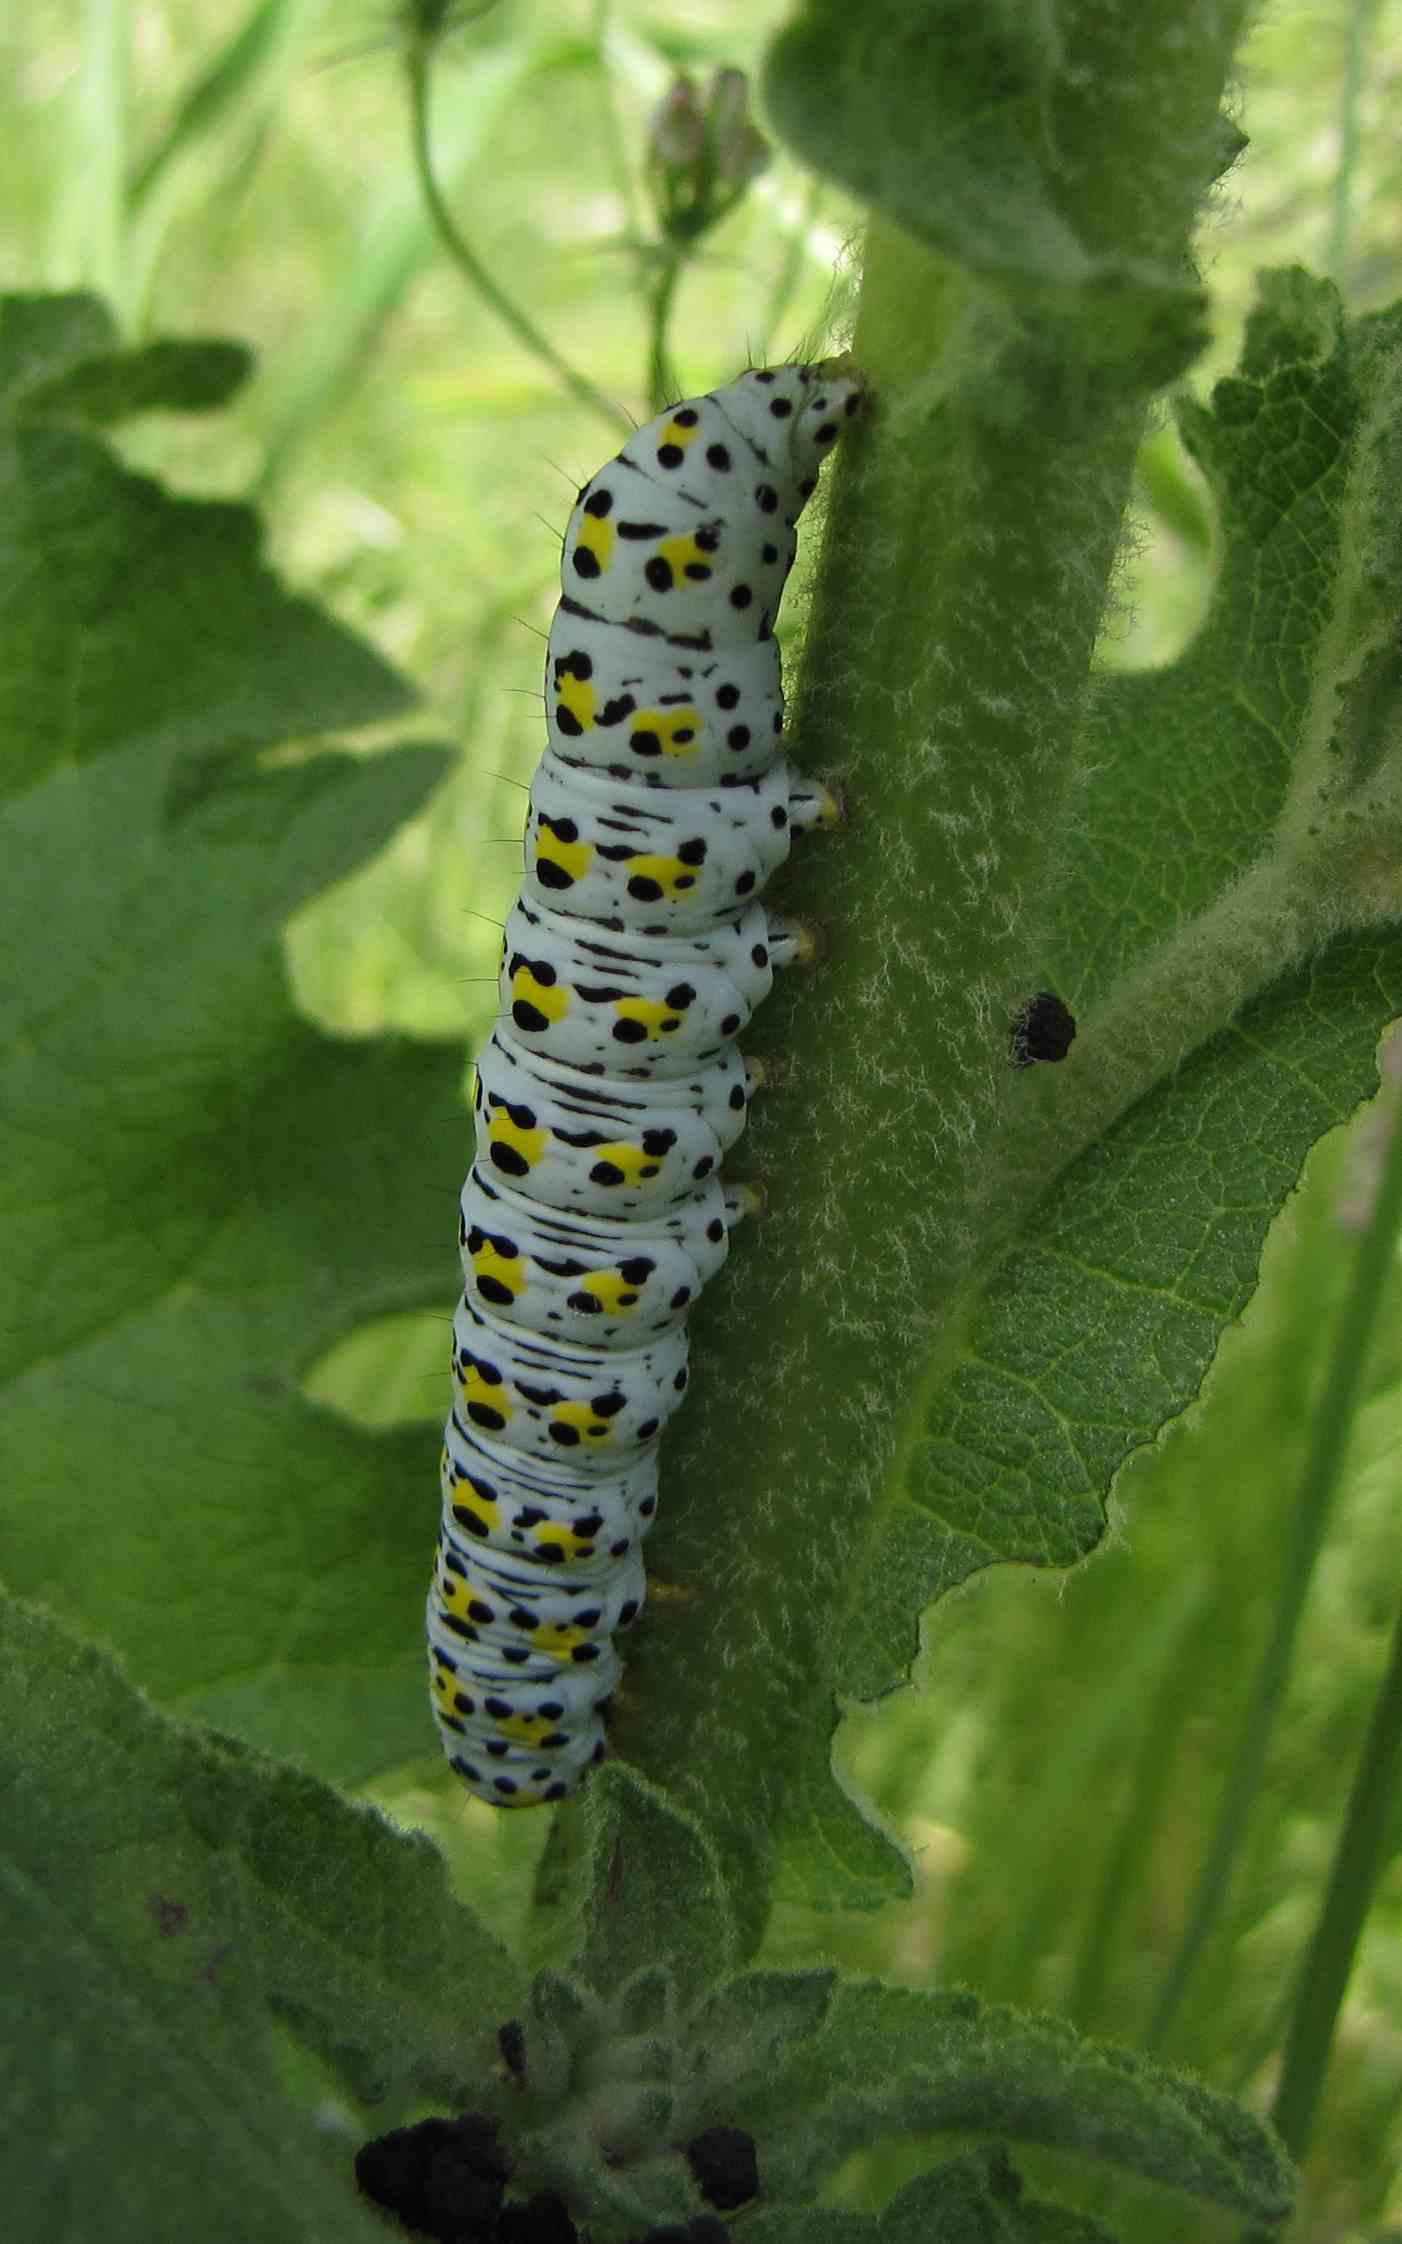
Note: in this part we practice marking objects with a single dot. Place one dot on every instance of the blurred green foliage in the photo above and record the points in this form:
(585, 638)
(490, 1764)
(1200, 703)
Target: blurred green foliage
(221, 169)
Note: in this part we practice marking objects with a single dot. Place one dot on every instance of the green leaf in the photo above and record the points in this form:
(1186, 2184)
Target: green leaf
(61, 359)
(1187, 767)
(167, 376)
(900, 2062)
(930, 116)
(201, 1193)
(954, 122)
(43, 337)
(751, 2026)
(1103, 1325)
(136, 621)
(163, 1899)
(650, 1865)
(977, 2199)
(1101, 1322)
(832, 1852)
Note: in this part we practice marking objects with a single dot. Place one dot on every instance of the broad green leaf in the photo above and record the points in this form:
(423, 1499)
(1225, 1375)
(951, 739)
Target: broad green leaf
(900, 2062)
(200, 1192)
(1187, 768)
(1102, 1325)
(931, 116)
(62, 359)
(164, 1899)
(977, 2199)
(749, 2026)
(1101, 1322)
(955, 122)
(155, 377)
(651, 1866)
(834, 1854)
(42, 338)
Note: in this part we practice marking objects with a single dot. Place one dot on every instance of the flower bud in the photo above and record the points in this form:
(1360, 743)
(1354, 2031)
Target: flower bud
(702, 153)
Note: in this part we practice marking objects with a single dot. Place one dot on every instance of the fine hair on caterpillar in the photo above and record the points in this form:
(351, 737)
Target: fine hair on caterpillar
(610, 1086)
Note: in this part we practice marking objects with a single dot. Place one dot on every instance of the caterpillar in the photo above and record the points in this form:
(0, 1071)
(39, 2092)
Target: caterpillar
(610, 1087)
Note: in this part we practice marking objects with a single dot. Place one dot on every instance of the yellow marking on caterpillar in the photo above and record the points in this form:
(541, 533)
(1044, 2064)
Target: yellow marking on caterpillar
(454, 1593)
(557, 1639)
(653, 1013)
(564, 1539)
(529, 1144)
(667, 723)
(572, 858)
(550, 998)
(676, 879)
(679, 432)
(445, 1689)
(490, 1393)
(597, 536)
(526, 1729)
(508, 1270)
(684, 553)
(611, 1290)
(584, 1419)
(580, 697)
(465, 1499)
(631, 1160)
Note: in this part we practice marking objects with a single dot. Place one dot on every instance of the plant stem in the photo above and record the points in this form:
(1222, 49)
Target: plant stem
(623, 180)
(1333, 1426)
(95, 212)
(1341, 212)
(393, 247)
(218, 89)
(1130, 1847)
(463, 255)
(1329, 1961)
(955, 534)
(660, 382)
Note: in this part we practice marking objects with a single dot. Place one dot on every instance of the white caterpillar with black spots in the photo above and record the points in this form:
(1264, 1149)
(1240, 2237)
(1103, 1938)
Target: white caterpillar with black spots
(611, 1088)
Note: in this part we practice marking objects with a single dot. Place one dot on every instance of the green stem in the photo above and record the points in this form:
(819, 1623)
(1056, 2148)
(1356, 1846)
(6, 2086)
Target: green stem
(1357, 1861)
(623, 179)
(661, 382)
(217, 90)
(1119, 1878)
(463, 255)
(1341, 213)
(96, 209)
(956, 534)
(1333, 1426)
